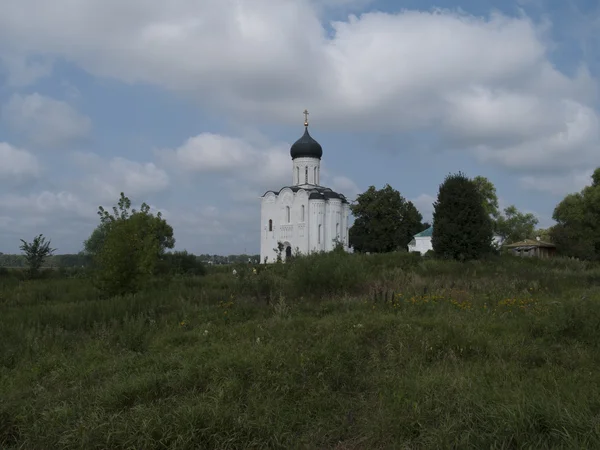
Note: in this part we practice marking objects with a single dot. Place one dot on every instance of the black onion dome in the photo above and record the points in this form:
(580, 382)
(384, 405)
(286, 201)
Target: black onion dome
(306, 147)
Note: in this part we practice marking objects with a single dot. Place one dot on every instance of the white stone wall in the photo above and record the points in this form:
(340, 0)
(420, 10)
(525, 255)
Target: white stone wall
(306, 171)
(315, 233)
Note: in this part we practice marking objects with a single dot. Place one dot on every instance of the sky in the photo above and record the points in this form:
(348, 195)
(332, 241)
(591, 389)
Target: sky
(192, 106)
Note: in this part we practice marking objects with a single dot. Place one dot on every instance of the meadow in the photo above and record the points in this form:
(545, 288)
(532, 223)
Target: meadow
(330, 351)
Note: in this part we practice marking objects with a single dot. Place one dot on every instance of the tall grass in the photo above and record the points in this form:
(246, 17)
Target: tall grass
(329, 351)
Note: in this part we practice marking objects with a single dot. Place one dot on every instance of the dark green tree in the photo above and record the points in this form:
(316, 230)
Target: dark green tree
(577, 231)
(384, 221)
(35, 253)
(462, 227)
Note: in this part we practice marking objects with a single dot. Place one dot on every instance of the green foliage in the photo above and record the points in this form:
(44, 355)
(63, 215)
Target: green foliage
(515, 226)
(384, 221)
(487, 190)
(182, 263)
(499, 353)
(462, 226)
(133, 244)
(577, 232)
(545, 234)
(94, 243)
(35, 253)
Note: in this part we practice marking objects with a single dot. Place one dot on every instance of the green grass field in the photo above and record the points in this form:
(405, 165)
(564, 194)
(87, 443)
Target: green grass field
(330, 352)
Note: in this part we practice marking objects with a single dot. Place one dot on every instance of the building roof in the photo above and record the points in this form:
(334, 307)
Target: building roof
(531, 243)
(306, 147)
(314, 193)
(425, 233)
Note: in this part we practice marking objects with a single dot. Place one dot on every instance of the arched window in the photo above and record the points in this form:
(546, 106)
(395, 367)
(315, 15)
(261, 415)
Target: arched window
(319, 233)
(297, 175)
(302, 214)
(306, 175)
(315, 176)
(337, 230)
(270, 224)
(288, 215)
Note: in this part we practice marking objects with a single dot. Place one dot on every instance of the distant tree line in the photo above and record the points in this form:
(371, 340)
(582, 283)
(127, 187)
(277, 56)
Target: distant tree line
(467, 216)
(72, 260)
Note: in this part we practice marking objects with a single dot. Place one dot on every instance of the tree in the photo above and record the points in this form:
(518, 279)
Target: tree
(545, 234)
(384, 221)
(487, 190)
(577, 231)
(35, 253)
(515, 226)
(93, 244)
(131, 246)
(462, 226)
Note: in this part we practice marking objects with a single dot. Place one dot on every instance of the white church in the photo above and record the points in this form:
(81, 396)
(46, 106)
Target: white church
(305, 215)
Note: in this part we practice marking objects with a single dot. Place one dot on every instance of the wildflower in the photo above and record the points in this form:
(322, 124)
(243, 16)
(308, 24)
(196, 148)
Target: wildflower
(205, 332)
(258, 340)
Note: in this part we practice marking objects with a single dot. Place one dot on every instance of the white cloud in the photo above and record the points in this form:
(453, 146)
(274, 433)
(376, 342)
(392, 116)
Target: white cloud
(558, 184)
(22, 71)
(344, 185)
(46, 202)
(239, 159)
(487, 81)
(45, 121)
(17, 164)
(570, 142)
(104, 180)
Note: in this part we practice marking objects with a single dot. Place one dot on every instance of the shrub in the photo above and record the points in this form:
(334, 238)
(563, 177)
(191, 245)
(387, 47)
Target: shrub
(182, 263)
(131, 248)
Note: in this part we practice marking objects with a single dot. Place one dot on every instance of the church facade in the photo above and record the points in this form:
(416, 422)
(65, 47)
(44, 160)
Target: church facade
(303, 216)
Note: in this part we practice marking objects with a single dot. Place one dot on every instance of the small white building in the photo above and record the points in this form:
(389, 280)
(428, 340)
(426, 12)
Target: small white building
(305, 215)
(422, 241)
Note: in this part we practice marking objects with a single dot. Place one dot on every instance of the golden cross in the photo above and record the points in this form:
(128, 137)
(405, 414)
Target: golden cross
(305, 118)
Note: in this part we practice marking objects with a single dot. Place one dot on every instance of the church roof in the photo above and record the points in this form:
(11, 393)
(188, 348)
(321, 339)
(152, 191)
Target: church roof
(306, 147)
(314, 193)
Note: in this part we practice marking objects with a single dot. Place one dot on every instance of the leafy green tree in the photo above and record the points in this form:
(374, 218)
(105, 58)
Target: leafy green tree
(384, 221)
(462, 228)
(487, 190)
(545, 234)
(93, 244)
(514, 226)
(35, 253)
(577, 231)
(131, 248)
